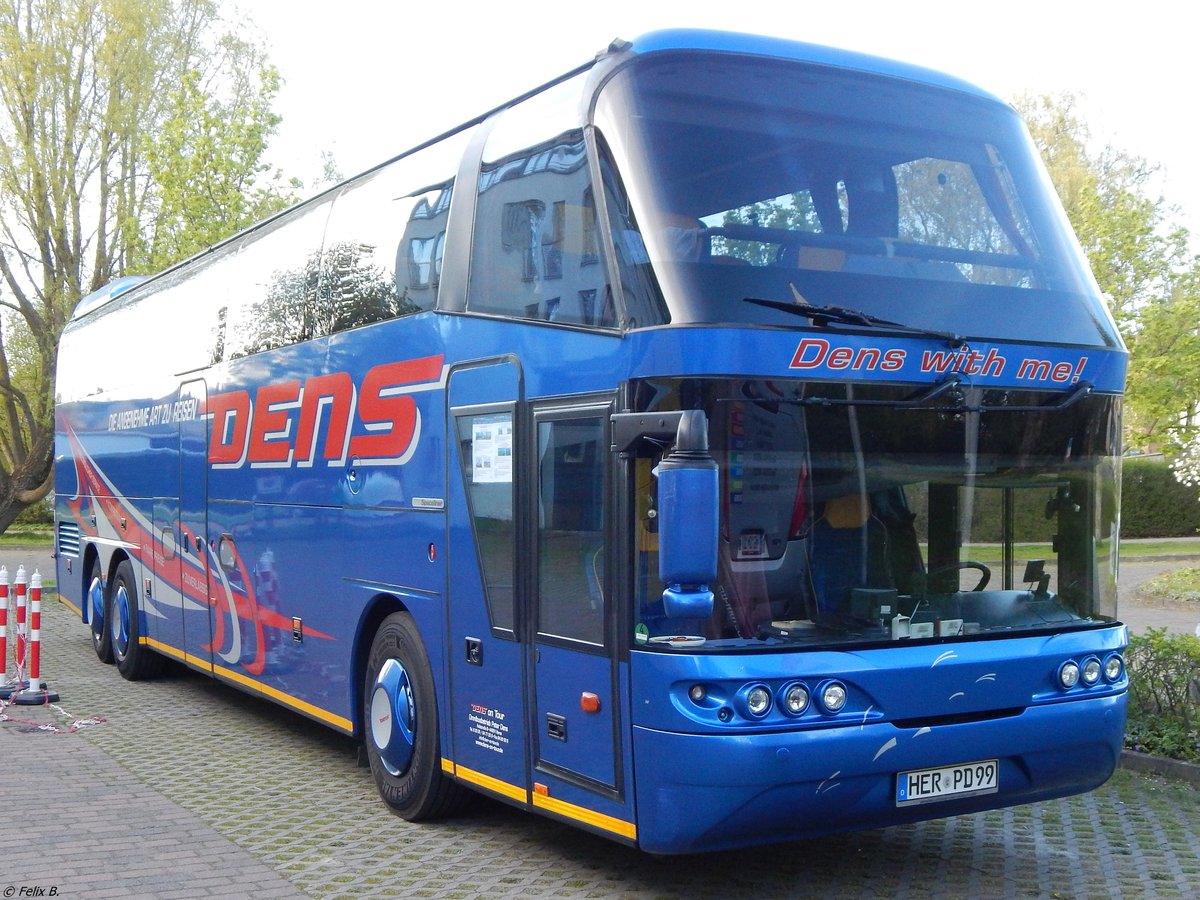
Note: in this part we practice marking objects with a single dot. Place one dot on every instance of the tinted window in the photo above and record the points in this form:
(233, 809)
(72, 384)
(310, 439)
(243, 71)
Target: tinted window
(384, 244)
(486, 442)
(571, 454)
(273, 282)
(535, 251)
(767, 179)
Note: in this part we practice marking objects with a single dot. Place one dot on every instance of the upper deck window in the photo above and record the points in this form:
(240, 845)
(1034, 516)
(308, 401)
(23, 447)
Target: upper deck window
(763, 178)
(535, 253)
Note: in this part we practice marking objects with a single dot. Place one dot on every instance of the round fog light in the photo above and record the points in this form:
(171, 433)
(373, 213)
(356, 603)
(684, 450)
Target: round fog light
(758, 701)
(833, 698)
(1113, 667)
(697, 693)
(1068, 674)
(795, 699)
(1091, 671)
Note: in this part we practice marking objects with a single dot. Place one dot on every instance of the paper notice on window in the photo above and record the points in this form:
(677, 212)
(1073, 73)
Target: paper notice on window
(492, 449)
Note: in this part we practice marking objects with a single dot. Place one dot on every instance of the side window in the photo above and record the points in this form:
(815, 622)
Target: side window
(571, 455)
(383, 247)
(535, 253)
(486, 445)
(277, 272)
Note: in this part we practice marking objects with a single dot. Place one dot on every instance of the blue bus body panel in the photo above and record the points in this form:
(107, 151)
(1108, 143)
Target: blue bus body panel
(705, 785)
(117, 455)
(705, 792)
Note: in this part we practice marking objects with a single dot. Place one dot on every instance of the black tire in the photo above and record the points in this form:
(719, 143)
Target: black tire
(134, 660)
(401, 739)
(96, 596)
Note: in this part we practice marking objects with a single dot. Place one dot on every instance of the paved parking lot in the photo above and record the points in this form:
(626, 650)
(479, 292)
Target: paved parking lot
(192, 789)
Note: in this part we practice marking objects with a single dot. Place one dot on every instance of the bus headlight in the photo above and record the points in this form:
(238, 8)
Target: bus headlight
(1068, 674)
(1091, 671)
(795, 699)
(758, 701)
(833, 696)
(1114, 667)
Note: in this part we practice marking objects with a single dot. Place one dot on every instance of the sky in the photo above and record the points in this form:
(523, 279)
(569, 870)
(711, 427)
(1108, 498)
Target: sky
(366, 79)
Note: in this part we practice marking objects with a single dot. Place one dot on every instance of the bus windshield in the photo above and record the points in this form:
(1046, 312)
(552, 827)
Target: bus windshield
(848, 518)
(799, 183)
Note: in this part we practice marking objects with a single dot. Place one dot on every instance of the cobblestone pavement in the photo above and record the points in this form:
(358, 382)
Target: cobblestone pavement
(190, 788)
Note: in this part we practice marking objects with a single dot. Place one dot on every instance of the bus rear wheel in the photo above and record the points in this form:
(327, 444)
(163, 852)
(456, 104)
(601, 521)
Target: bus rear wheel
(135, 661)
(401, 725)
(98, 614)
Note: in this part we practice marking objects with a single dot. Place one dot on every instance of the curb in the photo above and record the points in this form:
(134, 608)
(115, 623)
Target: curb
(1155, 602)
(1161, 765)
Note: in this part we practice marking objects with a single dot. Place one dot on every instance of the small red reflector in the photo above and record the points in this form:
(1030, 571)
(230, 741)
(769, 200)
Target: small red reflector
(432, 552)
(589, 702)
(541, 789)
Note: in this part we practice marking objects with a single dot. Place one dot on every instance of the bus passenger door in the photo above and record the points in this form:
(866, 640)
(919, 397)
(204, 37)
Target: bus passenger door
(191, 532)
(486, 658)
(574, 723)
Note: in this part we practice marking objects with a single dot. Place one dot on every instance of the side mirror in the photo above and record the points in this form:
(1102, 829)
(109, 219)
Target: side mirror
(688, 520)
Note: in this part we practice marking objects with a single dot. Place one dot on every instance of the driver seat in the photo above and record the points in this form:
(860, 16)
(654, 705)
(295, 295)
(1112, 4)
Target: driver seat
(849, 550)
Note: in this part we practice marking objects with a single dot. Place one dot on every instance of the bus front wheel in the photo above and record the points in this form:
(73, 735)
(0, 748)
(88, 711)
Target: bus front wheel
(401, 725)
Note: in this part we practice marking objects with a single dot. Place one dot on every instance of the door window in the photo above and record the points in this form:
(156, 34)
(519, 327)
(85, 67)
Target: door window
(571, 490)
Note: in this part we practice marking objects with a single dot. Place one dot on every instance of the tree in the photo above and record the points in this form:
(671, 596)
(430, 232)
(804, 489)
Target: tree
(337, 289)
(124, 126)
(1133, 248)
(204, 160)
(1141, 261)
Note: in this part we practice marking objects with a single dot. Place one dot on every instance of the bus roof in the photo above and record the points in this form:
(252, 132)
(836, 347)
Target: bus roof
(817, 54)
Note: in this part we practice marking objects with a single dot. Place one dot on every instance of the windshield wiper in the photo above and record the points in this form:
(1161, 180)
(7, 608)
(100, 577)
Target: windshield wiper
(823, 315)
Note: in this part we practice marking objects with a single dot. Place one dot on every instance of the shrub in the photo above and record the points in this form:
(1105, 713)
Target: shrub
(1154, 503)
(1164, 694)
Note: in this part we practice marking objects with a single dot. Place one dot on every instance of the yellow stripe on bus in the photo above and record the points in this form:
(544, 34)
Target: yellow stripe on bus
(587, 816)
(287, 699)
(199, 662)
(492, 784)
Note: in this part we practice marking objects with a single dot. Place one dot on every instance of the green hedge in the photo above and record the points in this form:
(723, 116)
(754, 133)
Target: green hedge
(1154, 504)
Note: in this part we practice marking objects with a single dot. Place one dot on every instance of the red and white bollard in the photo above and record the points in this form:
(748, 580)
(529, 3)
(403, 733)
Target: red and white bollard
(3, 623)
(12, 685)
(35, 692)
(25, 687)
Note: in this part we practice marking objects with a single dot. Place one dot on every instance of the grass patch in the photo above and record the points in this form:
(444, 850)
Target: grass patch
(28, 536)
(1182, 584)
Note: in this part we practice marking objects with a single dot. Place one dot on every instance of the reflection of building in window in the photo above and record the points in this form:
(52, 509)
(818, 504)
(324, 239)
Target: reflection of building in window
(425, 239)
(552, 242)
(420, 261)
(519, 231)
(536, 245)
(590, 251)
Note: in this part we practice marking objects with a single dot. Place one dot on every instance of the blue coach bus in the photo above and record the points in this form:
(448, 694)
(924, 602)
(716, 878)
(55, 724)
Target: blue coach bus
(717, 445)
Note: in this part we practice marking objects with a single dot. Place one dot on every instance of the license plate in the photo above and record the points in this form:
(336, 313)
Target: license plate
(752, 545)
(947, 782)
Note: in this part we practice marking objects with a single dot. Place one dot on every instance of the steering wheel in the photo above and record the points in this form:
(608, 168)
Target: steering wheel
(985, 572)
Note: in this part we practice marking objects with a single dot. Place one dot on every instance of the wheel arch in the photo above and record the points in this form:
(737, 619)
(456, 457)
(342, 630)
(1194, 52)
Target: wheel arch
(379, 608)
(91, 556)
